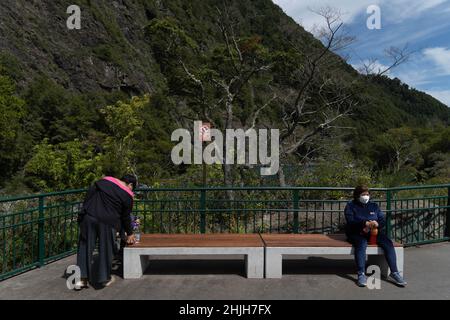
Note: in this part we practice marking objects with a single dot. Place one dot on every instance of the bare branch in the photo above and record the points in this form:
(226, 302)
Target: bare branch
(202, 99)
(193, 78)
(223, 17)
(257, 112)
(332, 34)
(396, 56)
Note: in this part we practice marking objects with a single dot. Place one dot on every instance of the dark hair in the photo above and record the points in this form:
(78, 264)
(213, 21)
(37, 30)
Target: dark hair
(129, 178)
(358, 190)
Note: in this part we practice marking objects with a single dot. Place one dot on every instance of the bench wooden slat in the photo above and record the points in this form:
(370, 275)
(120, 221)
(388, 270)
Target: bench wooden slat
(198, 240)
(244, 240)
(308, 240)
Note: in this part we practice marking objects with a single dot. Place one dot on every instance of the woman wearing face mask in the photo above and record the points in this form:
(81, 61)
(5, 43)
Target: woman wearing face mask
(362, 215)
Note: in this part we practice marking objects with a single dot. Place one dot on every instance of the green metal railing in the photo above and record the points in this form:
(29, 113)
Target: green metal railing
(38, 229)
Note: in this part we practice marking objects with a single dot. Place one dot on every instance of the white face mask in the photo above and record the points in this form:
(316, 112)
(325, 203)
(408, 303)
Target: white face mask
(364, 199)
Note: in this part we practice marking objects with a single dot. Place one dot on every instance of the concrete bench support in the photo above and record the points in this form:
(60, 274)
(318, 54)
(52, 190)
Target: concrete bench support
(251, 246)
(136, 259)
(265, 250)
(274, 257)
(278, 246)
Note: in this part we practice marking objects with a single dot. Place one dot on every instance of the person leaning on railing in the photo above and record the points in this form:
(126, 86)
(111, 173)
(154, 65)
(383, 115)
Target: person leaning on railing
(363, 216)
(107, 207)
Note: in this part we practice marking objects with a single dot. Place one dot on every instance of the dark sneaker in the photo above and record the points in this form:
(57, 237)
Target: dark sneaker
(398, 279)
(362, 280)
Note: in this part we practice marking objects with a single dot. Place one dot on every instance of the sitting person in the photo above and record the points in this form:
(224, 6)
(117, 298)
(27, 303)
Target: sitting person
(362, 216)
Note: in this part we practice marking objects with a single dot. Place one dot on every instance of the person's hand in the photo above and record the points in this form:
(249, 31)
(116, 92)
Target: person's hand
(131, 239)
(374, 224)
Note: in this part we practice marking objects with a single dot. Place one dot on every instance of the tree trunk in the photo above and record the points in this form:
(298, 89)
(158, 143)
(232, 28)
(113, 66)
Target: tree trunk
(281, 177)
(227, 168)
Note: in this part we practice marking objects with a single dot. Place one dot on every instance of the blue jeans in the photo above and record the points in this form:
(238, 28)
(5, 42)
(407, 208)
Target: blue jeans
(360, 244)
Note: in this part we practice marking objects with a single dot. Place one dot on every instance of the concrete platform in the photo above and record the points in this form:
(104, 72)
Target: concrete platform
(426, 270)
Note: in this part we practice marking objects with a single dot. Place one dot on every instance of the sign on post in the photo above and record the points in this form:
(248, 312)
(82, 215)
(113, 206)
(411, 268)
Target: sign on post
(205, 131)
(205, 135)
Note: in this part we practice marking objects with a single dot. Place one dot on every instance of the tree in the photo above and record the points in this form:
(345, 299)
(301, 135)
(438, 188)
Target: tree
(124, 120)
(11, 114)
(56, 113)
(299, 85)
(395, 55)
(398, 148)
(62, 166)
(320, 98)
(439, 172)
(218, 89)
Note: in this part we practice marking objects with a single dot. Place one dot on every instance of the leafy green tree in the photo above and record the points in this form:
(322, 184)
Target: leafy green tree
(56, 113)
(336, 167)
(62, 166)
(441, 142)
(12, 113)
(153, 145)
(398, 148)
(439, 170)
(123, 120)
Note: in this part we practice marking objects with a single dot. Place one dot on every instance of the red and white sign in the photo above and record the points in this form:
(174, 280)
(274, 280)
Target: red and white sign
(205, 131)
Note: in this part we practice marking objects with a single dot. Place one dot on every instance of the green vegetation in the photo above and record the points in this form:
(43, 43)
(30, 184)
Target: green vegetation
(57, 133)
(12, 113)
(55, 167)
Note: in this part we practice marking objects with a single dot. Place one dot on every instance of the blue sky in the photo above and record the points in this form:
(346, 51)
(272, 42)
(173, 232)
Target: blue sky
(423, 25)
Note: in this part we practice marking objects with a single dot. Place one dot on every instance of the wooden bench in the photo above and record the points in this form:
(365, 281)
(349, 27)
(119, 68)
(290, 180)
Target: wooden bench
(136, 257)
(278, 246)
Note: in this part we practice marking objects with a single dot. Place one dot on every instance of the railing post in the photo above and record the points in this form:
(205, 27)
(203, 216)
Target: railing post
(388, 213)
(295, 198)
(41, 235)
(447, 222)
(203, 211)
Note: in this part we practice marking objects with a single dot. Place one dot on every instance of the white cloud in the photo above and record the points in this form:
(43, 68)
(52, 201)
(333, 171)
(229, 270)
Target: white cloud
(425, 5)
(300, 9)
(440, 57)
(429, 71)
(414, 77)
(401, 10)
(393, 11)
(441, 95)
(373, 66)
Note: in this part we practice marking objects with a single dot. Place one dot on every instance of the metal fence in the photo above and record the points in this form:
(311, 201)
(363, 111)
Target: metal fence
(38, 229)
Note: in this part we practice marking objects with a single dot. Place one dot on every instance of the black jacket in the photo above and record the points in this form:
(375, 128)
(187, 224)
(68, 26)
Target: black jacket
(110, 204)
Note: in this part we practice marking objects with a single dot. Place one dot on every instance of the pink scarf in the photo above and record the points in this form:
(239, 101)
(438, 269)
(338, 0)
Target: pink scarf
(117, 182)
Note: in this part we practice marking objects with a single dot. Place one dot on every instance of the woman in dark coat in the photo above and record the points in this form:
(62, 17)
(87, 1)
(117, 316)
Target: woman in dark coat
(106, 209)
(362, 216)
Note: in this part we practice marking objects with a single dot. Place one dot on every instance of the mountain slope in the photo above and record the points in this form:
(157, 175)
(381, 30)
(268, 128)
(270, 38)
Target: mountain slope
(66, 76)
(112, 50)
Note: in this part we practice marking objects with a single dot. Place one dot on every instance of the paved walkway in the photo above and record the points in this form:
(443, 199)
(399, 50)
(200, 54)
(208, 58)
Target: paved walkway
(426, 270)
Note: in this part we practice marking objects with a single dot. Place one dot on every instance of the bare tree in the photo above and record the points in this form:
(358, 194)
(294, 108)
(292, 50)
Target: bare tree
(228, 87)
(394, 55)
(403, 148)
(333, 32)
(317, 104)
